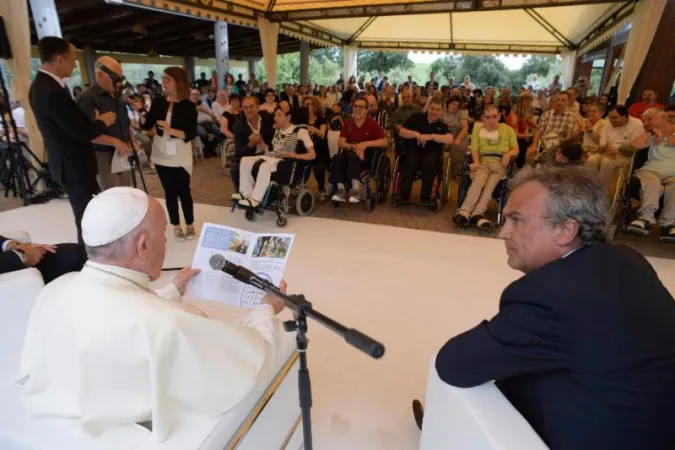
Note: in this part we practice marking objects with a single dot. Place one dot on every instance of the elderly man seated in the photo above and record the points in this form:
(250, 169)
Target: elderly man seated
(290, 143)
(583, 344)
(493, 144)
(615, 150)
(657, 177)
(51, 260)
(252, 136)
(555, 126)
(425, 135)
(101, 345)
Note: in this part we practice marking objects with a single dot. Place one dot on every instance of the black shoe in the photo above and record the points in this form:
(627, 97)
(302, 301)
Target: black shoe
(418, 413)
(460, 219)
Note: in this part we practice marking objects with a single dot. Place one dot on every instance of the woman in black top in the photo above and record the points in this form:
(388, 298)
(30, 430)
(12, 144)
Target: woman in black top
(174, 118)
(318, 127)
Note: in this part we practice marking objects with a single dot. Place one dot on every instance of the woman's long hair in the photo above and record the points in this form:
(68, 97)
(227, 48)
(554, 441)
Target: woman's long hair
(523, 108)
(179, 75)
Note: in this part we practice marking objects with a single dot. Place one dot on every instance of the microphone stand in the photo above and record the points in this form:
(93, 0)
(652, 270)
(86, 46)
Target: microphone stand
(302, 309)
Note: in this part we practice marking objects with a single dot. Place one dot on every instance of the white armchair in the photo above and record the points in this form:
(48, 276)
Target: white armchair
(478, 418)
(18, 291)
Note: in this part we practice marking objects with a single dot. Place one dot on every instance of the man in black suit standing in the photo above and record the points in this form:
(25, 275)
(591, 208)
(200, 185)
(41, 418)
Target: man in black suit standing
(65, 128)
(584, 343)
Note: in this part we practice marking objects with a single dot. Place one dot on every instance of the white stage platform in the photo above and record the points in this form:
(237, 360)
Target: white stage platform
(410, 289)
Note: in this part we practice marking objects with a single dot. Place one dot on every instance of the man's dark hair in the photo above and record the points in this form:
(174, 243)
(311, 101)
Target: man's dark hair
(565, 93)
(203, 74)
(478, 91)
(50, 47)
(621, 110)
(234, 96)
(572, 151)
(361, 98)
(454, 98)
(270, 91)
(151, 73)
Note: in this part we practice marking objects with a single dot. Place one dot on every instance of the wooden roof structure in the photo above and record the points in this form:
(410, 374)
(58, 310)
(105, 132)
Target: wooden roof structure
(120, 28)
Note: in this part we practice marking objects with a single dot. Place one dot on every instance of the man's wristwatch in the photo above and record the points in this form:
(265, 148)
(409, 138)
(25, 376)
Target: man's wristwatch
(21, 254)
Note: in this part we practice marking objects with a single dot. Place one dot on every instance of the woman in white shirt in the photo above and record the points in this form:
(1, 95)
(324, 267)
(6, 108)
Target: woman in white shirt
(326, 101)
(221, 104)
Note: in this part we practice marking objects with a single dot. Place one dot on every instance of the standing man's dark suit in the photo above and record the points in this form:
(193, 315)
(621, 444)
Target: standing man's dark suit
(242, 131)
(67, 134)
(584, 348)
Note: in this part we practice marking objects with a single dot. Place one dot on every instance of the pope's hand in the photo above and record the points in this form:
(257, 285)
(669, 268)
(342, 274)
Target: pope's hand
(183, 278)
(275, 302)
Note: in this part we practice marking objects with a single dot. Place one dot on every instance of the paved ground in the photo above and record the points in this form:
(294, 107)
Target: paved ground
(211, 186)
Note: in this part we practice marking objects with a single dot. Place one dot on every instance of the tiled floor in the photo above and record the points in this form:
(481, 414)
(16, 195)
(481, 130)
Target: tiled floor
(211, 186)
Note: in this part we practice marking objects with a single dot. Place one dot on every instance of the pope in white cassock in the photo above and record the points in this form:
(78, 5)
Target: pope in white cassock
(101, 345)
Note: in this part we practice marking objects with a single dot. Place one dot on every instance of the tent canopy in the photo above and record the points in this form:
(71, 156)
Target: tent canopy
(469, 26)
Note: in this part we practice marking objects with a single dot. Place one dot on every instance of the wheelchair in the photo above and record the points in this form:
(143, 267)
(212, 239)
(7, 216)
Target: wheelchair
(440, 189)
(622, 212)
(378, 173)
(500, 193)
(283, 197)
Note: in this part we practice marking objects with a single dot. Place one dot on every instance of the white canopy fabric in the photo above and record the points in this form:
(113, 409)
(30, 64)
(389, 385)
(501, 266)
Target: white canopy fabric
(501, 31)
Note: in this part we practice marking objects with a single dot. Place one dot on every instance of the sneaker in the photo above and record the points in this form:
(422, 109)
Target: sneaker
(480, 221)
(354, 196)
(460, 219)
(178, 233)
(190, 233)
(237, 196)
(340, 196)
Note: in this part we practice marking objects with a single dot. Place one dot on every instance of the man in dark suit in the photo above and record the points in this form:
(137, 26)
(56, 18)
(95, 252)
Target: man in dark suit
(51, 260)
(249, 141)
(65, 128)
(584, 343)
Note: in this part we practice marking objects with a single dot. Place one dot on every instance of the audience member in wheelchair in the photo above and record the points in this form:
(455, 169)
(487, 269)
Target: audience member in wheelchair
(615, 150)
(252, 135)
(425, 136)
(493, 145)
(290, 143)
(457, 121)
(406, 109)
(657, 177)
(569, 154)
(361, 139)
(521, 119)
(317, 128)
(556, 125)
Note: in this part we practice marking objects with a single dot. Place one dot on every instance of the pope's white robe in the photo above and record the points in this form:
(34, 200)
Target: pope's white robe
(103, 347)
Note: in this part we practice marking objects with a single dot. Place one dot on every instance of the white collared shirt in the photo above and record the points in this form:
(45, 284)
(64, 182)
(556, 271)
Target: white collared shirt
(61, 81)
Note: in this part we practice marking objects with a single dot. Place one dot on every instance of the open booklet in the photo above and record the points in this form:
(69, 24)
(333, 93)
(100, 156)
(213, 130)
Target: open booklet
(265, 254)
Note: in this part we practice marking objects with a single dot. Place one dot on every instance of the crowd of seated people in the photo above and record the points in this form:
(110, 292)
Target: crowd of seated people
(370, 117)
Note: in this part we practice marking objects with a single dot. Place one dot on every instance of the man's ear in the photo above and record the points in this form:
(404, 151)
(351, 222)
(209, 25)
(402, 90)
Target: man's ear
(567, 233)
(142, 244)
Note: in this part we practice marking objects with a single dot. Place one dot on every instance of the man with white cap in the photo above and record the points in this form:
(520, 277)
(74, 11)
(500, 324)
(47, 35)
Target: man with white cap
(101, 345)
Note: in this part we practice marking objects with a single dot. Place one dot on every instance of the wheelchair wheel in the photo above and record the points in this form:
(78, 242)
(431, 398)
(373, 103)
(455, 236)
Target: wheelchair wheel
(250, 214)
(383, 179)
(370, 203)
(445, 183)
(304, 203)
(282, 221)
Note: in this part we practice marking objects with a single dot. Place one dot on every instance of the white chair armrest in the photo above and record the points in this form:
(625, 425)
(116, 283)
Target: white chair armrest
(17, 235)
(19, 292)
(478, 418)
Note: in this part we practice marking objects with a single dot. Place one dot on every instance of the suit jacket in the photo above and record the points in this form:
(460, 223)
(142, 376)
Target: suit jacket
(66, 130)
(9, 261)
(242, 131)
(584, 348)
(295, 102)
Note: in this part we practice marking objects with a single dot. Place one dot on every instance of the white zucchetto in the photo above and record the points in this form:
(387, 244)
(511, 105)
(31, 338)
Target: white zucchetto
(112, 214)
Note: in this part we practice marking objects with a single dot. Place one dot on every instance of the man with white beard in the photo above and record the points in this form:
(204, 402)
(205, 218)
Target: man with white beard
(103, 346)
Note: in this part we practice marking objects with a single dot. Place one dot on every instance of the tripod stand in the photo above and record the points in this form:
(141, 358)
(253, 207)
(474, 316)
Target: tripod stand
(21, 172)
(135, 164)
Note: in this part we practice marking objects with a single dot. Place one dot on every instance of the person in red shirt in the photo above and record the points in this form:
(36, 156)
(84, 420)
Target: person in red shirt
(637, 109)
(361, 138)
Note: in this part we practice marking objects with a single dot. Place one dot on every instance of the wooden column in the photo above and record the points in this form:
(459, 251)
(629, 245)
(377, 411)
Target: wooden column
(658, 70)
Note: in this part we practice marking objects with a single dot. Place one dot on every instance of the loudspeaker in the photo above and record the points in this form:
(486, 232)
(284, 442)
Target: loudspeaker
(5, 49)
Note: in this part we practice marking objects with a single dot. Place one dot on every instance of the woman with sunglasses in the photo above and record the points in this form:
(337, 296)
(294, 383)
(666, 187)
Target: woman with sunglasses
(174, 118)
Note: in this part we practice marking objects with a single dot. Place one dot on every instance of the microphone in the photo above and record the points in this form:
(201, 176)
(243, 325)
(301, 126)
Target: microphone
(240, 273)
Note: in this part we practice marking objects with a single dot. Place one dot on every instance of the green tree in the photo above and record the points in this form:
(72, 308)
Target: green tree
(543, 66)
(445, 67)
(372, 63)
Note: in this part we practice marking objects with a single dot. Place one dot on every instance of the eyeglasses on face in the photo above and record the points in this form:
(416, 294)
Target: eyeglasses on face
(355, 107)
